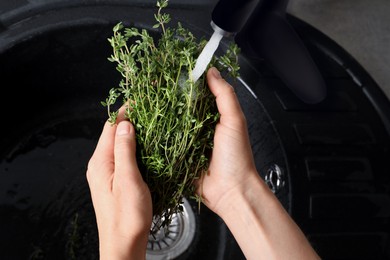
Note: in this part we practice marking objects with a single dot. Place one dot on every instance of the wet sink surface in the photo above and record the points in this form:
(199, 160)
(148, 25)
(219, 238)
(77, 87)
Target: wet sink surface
(54, 74)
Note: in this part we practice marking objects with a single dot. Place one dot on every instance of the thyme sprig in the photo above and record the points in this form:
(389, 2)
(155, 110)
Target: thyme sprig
(174, 118)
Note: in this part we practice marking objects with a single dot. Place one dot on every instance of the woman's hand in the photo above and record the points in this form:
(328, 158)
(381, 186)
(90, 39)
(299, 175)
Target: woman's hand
(233, 189)
(121, 198)
(232, 164)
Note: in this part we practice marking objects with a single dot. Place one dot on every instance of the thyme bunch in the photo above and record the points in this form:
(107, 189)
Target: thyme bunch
(174, 117)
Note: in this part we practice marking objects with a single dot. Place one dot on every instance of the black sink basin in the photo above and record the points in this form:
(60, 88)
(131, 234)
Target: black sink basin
(327, 163)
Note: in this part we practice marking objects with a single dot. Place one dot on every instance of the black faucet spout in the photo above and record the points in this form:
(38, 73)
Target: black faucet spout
(231, 15)
(263, 31)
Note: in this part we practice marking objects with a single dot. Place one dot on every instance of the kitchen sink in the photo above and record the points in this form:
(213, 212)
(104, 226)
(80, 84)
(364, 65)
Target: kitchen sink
(327, 163)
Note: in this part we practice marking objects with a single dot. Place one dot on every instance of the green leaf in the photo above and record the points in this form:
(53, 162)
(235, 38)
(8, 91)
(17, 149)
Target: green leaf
(118, 27)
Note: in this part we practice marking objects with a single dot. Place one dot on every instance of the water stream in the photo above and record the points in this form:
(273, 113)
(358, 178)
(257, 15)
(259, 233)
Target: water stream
(206, 55)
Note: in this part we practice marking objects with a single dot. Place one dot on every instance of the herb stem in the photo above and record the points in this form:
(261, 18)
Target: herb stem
(174, 118)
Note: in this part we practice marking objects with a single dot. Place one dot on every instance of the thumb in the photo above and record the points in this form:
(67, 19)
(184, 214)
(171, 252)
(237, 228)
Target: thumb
(124, 151)
(227, 102)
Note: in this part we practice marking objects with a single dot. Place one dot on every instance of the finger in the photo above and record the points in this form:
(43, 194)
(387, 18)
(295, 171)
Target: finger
(104, 151)
(121, 114)
(105, 147)
(124, 152)
(101, 164)
(227, 102)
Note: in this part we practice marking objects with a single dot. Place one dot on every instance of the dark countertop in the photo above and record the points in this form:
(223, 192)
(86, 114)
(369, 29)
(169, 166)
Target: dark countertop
(361, 27)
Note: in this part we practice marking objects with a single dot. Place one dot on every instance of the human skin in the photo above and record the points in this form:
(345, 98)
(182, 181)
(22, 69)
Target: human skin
(121, 199)
(232, 188)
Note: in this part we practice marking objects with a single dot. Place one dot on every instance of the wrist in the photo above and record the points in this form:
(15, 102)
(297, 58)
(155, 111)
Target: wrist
(259, 223)
(247, 193)
(118, 247)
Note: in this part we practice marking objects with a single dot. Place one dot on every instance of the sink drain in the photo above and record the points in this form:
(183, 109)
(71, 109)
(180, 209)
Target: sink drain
(170, 242)
(275, 178)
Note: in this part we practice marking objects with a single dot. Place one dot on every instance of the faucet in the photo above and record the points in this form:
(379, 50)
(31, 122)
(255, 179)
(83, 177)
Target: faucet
(261, 29)
(229, 16)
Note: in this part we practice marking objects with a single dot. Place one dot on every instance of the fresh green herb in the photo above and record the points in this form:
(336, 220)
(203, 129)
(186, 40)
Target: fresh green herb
(174, 117)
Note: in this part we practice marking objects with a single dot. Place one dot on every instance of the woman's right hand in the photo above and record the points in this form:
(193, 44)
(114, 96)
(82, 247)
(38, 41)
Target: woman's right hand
(233, 189)
(232, 165)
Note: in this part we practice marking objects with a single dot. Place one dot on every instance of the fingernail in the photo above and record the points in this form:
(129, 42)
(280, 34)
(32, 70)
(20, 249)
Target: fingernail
(216, 73)
(123, 128)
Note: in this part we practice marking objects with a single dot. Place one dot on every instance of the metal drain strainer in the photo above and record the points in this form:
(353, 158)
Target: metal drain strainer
(170, 242)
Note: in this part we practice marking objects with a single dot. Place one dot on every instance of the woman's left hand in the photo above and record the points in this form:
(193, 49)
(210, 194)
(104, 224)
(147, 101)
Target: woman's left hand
(122, 200)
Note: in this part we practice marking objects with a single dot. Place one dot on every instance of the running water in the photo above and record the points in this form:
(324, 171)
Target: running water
(206, 55)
